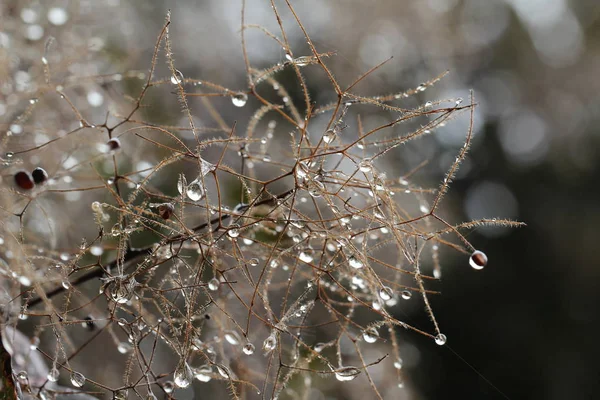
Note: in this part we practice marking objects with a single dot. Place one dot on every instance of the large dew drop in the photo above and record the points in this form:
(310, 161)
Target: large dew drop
(183, 375)
(270, 343)
(213, 284)
(203, 373)
(239, 99)
(478, 260)
(386, 293)
(370, 335)
(248, 349)
(53, 375)
(346, 373)
(177, 78)
(195, 190)
(355, 262)
(77, 379)
(440, 339)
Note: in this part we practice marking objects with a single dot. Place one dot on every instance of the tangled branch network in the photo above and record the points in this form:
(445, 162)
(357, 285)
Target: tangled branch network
(268, 258)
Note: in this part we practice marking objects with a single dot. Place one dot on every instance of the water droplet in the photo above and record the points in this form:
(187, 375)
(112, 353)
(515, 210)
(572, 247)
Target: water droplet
(177, 78)
(234, 231)
(121, 291)
(203, 373)
(386, 293)
(355, 262)
(365, 166)
(53, 374)
(77, 379)
(124, 348)
(213, 284)
(253, 262)
(44, 60)
(440, 339)
(239, 99)
(183, 375)
(329, 136)
(306, 256)
(370, 335)
(398, 363)
(302, 61)
(478, 260)
(248, 349)
(232, 337)
(168, 387)
(66, 284)
(270, 343)
(195, 190)
(346, 373)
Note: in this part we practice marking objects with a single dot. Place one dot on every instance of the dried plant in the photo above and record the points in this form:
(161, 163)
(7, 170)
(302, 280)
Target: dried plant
(265, 256)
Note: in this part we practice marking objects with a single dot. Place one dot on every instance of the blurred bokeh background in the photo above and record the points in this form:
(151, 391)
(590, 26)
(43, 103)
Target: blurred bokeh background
(526, 326)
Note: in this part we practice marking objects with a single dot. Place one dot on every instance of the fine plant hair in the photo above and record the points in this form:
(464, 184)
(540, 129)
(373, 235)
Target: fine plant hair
(257, 255)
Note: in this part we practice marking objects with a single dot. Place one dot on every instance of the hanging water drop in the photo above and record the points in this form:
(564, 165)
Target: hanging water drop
(248, 349)
(270, 343)
(386, 293)
(478, 260)
(177, 78)
(406, 294)
(354, 262)
(213, 284)
(203, 373)
(306, 256)
(195, 190)
(343, 374)
(370, 335)
(234, 231)
(183, 375)
(365, 166)
(440, 339)
(398, 363)
(329, 136)
(168, 387)
(53, 374)
(77, 379)
(239, 99)
(302, 61)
